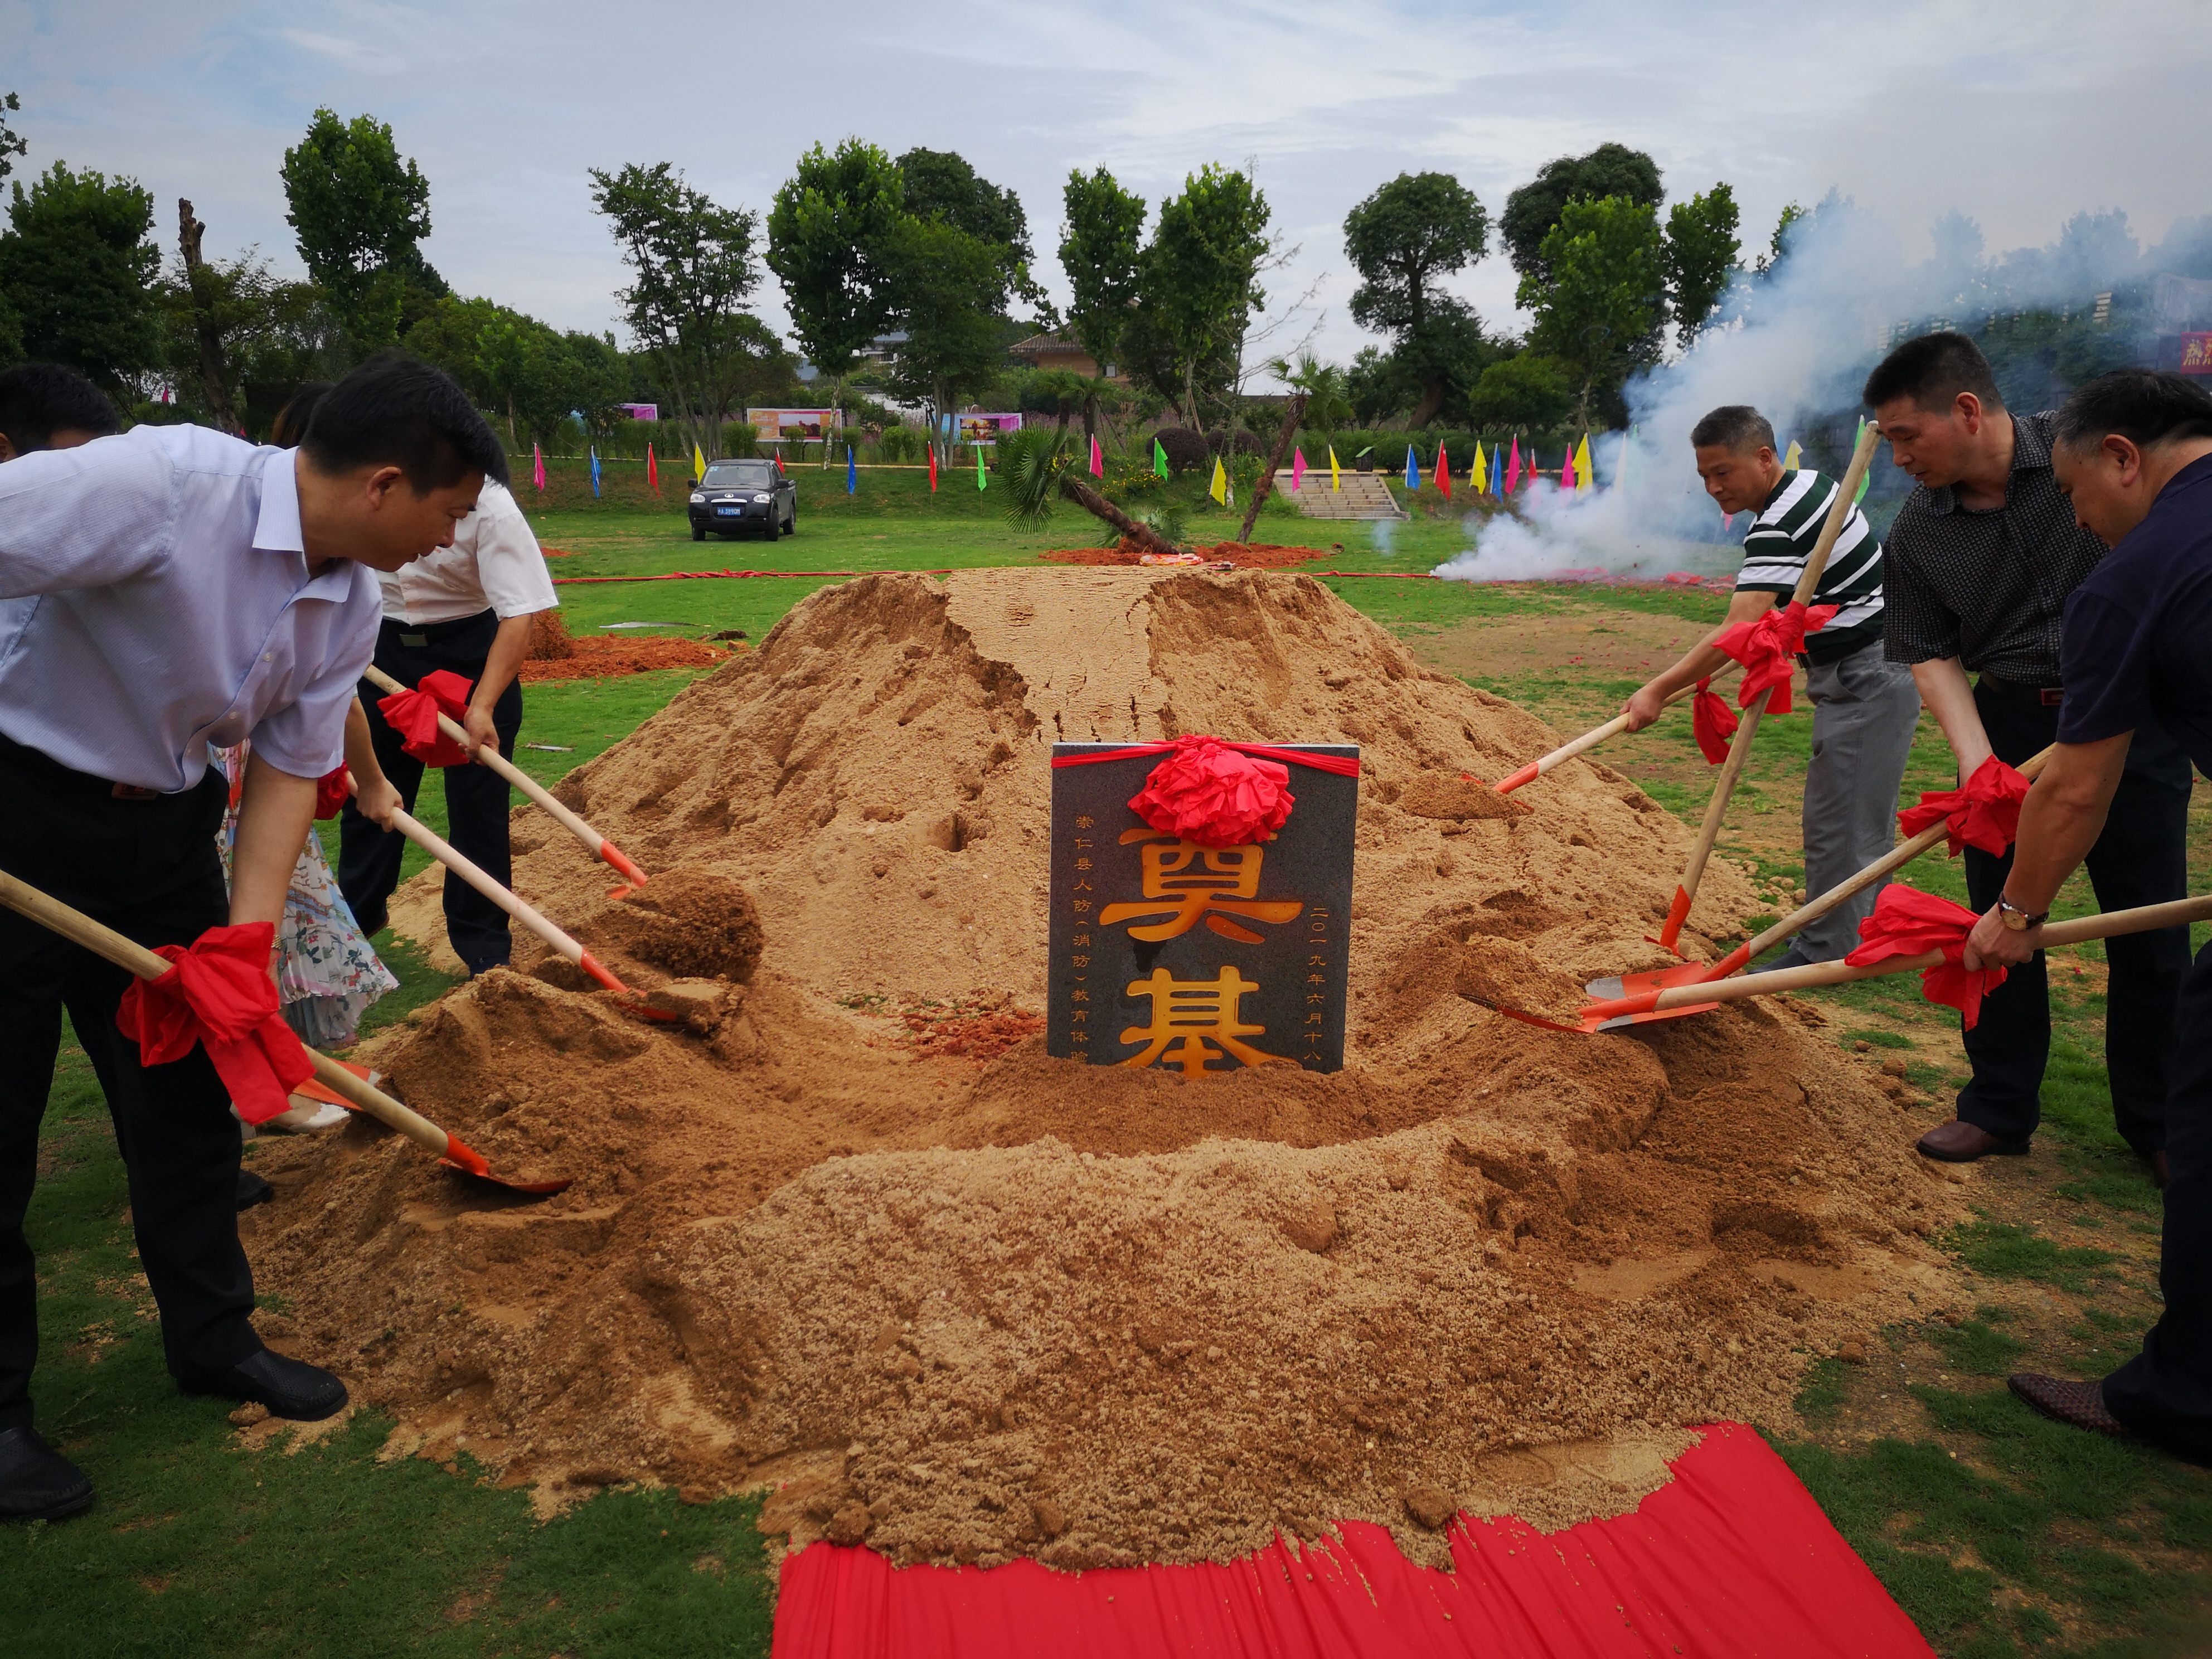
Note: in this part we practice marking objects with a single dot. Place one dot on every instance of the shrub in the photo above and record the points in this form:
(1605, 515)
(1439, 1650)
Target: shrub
(1186, 450)
(1239, 443)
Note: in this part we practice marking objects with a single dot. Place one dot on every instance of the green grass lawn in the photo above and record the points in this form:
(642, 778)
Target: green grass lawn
(1999, 1533)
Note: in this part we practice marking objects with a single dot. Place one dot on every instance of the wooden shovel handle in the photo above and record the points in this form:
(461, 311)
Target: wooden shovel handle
(594, 843)
(105, 942)
(1589, 741)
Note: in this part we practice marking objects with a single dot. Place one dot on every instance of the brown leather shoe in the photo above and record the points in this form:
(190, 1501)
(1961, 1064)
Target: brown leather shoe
(2081, 1405)
(1961, 1142)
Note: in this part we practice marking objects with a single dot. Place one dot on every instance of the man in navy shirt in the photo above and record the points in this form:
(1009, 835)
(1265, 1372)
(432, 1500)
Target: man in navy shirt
(2133, 452)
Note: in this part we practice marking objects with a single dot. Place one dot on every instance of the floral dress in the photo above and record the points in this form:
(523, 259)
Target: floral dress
(327, 977)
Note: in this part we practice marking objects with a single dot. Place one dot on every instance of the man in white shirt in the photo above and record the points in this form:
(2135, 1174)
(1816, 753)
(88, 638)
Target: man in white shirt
(466, 608)
(160, 591)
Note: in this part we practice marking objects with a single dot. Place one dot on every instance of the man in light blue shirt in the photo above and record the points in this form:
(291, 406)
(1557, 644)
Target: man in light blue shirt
(159, 591)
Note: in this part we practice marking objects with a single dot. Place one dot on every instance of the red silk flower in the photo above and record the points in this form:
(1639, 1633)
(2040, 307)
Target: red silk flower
(1767, 648)
(218, 994)
(1712, 722)
(1984, 813)
(1906, 922)
(1207, 792)
(414, 715)
(331, 791)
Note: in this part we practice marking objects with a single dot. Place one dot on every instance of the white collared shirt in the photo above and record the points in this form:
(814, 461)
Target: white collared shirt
(494, 564)
(154, 597)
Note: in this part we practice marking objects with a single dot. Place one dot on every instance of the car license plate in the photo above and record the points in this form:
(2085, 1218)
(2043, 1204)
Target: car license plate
(728, 511)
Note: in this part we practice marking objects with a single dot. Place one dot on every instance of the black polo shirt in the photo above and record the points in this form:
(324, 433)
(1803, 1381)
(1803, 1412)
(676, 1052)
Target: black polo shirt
(1988, 586)
(2139, 629)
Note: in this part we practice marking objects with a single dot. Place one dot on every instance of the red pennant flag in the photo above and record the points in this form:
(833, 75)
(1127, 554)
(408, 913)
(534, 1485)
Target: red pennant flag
(218, 994)
(414, 715)
(1444, 472)
(652, 469)
(331, 791)
(1767, 648)
(1906, 922)
(932, 468)
(1984, 813)
(1712, 722)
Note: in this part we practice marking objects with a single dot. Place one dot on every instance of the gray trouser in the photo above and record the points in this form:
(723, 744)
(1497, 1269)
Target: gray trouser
(1864, 710)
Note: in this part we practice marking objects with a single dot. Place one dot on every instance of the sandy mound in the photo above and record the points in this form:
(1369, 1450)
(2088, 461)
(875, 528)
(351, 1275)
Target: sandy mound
(967, 1308)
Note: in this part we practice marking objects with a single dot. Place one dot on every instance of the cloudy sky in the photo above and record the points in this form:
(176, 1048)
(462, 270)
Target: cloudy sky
(2019, 113)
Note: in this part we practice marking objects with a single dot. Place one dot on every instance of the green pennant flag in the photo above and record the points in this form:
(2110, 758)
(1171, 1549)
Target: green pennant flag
(1159, 458)
(980, 484)
(1867, 477)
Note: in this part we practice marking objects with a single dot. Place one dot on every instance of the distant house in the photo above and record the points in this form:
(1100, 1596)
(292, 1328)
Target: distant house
(1057, 351)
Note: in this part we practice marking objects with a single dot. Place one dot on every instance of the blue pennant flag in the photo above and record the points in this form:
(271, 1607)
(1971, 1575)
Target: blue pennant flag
(595, 470)
(1412, 469)
(852, 476)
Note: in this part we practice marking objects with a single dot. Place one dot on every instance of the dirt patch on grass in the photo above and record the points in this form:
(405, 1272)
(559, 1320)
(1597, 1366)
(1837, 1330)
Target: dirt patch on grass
(1242, 556)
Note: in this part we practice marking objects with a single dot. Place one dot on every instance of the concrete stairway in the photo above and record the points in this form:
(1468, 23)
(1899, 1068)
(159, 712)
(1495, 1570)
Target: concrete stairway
(1362, 495)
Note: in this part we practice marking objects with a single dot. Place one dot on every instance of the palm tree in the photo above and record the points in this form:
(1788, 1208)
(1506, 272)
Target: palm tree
(1034, 465)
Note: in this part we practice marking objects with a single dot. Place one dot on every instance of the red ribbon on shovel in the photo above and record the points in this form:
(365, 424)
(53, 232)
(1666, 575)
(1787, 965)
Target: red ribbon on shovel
(414, 715)
(1983, 812)
(1767, 646)
(1907, 922)
(218, 994)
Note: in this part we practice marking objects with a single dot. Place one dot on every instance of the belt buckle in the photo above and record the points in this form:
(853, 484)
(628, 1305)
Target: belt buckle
(2050, 696)
(131, 791)
(415, 642)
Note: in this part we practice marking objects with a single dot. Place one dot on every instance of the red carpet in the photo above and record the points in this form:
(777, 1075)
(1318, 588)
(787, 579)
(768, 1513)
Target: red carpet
(1731, 1558)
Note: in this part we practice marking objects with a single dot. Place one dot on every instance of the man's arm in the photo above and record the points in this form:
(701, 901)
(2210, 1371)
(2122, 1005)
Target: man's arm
(2059, 822)
(1949, 696)
(274, 810)
(502, 664)
(1746, 604)
(372, 792)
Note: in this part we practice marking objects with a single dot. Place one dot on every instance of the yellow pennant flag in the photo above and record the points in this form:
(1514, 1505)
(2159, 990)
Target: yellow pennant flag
(1480, 476)
(698, 463)
(1333, 483)
(1583, 481)
(1220, 489)
(1789, 460)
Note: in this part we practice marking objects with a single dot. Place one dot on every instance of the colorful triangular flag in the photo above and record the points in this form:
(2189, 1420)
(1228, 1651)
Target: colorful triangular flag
(595, 469)
(779, 462)
(698, 464)
(1159, 459)
(1220, 488)
(980, 484)
(1567, 470)
(1586, 476)
(1097, 459)
(1412, 469)
(1789, 460)
(852, 476)
(932, 466)
(1297, 471)
(1443, 471)
(1334, 482)
(1478, 476)
(651, 470)
(1867, 477)
(537, 466)
(1497, 471)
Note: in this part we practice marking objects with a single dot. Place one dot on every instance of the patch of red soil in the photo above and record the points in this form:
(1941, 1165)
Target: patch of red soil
(599, 659)
(1245, 556)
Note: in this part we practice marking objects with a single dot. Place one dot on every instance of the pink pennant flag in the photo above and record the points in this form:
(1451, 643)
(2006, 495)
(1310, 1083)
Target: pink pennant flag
(537, 466)
(1097, 460)
(1297, 471)
(1567, 472)
(1513, 468)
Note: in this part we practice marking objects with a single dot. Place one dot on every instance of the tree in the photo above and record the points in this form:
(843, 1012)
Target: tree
(830, 232)
(1199, 285)
(1600, 294)
(1033, 465)
(359, 213)
(1378, 386)
(271, 336)
(12, 142)
(951, 289)
(941, 185)
(1524, 392)
(1413, 230)
(78, 270)
(1100, 250)
(1324, 387)
(1701, 257)
(1533, 210)
(691, 266)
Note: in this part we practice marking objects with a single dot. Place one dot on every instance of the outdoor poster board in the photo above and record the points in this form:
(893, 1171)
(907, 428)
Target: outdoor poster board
(2196, 353)
(794, 426)
(1171, 956)
(986, 428)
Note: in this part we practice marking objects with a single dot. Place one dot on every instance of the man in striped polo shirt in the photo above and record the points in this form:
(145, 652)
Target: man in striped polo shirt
(1863, 707)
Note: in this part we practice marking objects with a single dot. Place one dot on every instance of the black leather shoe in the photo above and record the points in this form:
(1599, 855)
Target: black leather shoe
(252, 1190)
(37, 1483)
(290, 1389)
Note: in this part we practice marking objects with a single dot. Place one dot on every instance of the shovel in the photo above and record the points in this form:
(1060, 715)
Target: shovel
(594, 843)
(1696, 972)
(1589, 739)
(1816, 562)
(104, 941)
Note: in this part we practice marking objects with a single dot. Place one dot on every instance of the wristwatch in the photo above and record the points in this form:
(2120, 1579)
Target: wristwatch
(2018, 919)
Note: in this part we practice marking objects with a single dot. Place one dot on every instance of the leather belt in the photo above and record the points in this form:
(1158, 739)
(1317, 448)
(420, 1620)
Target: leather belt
(2051, 697)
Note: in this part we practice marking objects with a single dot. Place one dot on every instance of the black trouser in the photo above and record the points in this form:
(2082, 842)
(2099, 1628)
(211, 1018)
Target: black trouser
(2142, 858)
(149, 869)
(477, 798)
(2166, 1391)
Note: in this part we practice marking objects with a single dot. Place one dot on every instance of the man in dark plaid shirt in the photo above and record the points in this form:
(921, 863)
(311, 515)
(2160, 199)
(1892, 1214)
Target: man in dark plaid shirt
(1981, 557)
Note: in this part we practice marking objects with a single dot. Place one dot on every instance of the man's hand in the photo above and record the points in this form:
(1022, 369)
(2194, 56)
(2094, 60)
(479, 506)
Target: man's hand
(1993, 944)
(1646, 706)
(481, 730)
(377, 801)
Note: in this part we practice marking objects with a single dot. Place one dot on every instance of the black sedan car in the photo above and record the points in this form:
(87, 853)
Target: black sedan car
(748, 497)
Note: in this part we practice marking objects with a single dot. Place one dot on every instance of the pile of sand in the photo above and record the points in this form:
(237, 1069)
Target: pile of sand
(967, 1308)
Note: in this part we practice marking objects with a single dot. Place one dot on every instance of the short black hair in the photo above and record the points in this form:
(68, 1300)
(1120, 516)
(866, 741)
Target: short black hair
(397, 410)
(1736, 427)
(1932, 371)
(290, 425)
(40, 399)
(2146, 406)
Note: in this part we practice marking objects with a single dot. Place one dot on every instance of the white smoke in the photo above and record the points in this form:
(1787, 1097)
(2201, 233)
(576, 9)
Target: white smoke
(1796, 342)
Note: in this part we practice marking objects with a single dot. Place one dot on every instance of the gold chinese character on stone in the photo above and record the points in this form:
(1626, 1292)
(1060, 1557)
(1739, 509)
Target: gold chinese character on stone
(1183, 881)
(1187, 1013)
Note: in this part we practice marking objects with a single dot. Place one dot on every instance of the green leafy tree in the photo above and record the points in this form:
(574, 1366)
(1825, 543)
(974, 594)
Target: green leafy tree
(1379, 385)
(1778, 247)
(1522, 393)
(359, 213)
(1701, 257)
(1200, 286)
(831, 232)
(940, 185)
(1599, 295)
(951, 289)
(12, 144)
(79, 273)
(1101, 251)
(240, 339)
(1417, 228)
(1326, 388)
(1531, 210)
(691, 267)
